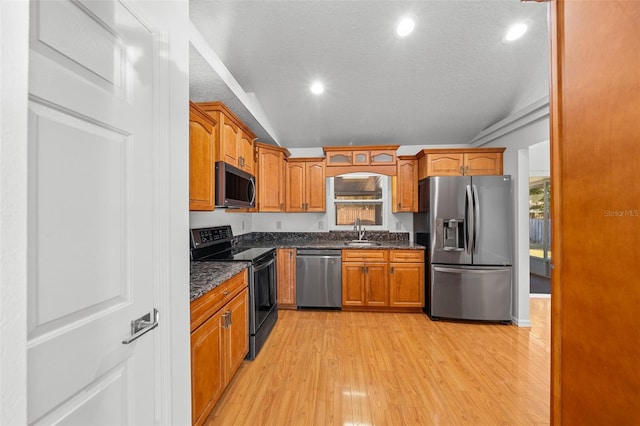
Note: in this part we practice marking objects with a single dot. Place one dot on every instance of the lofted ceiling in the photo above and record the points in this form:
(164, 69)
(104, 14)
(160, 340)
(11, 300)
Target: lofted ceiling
(445, 83)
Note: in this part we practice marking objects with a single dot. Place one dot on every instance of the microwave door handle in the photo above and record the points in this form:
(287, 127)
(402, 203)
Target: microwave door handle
(253, 191)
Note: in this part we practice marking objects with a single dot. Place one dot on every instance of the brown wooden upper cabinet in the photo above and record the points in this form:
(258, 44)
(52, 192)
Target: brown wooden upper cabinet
(404, 193)
(305, 185)
(271, 177)
(345, 159)
(347, 156)
(234, 140)
(202, 129)
(460, 162)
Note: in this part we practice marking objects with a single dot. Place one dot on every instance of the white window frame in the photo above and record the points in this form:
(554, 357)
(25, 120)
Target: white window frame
(386, 204)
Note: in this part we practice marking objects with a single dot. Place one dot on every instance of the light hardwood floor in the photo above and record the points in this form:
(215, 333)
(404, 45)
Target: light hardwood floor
(355, 368)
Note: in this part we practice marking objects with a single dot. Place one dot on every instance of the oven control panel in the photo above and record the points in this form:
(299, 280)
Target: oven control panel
(208, 236)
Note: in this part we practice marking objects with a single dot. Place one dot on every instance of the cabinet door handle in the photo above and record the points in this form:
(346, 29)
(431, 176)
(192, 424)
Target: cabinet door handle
(392, 269)
(230, 318)
(467, 172)
(399, 206)
(281, 206)
(225, 293)
(461, 170)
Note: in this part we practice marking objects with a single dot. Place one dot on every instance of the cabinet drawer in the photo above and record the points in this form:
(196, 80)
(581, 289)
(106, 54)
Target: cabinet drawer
(406, 256)
(362, 255)
(207, 305)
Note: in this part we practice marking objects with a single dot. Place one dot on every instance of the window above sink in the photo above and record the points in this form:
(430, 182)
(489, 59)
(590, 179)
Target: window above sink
(358, 195)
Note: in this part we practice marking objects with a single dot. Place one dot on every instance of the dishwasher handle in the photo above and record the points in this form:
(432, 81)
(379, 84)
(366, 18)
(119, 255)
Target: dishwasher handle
(318, 253)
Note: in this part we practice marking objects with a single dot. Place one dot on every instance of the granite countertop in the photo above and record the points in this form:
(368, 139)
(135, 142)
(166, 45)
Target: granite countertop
(328, 240)
(329, 244)
(207, 275)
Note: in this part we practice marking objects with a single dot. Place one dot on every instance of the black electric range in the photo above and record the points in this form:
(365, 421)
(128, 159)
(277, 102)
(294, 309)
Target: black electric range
(216, 244)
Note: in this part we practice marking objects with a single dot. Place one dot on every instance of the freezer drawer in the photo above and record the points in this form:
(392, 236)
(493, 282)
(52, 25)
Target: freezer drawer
(470, 293)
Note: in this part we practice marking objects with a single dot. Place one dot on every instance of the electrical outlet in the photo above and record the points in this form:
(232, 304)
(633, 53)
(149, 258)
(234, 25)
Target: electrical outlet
(321, 225)
(243, 225)
(278, 225)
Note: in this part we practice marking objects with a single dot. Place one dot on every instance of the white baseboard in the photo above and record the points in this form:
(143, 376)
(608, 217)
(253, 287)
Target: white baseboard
(521, 323)
(539, 296)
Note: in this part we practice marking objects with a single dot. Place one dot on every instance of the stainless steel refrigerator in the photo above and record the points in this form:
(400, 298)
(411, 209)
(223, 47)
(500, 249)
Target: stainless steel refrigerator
(466, 222)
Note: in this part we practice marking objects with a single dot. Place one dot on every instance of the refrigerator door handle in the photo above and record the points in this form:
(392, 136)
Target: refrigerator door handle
(468, 222)
(475, 271)
(476, 218)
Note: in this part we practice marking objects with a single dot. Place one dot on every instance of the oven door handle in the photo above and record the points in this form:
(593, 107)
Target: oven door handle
(260, 266)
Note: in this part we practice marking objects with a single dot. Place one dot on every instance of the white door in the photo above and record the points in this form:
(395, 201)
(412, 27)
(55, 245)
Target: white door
(90, 202)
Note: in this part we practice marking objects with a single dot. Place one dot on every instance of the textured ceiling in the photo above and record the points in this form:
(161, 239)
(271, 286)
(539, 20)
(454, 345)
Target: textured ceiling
(445, 83)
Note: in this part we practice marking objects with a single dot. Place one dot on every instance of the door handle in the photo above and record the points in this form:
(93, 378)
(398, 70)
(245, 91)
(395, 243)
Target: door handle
(142, 326)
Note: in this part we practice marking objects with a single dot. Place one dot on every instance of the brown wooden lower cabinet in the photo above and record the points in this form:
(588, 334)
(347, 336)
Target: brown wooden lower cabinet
(286, 269)
(383, 279)
(365, 284)
(406, 278)
(219, 342)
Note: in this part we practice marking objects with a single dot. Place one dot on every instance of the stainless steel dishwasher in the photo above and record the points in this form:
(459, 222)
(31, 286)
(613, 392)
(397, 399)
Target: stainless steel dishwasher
(319, 279)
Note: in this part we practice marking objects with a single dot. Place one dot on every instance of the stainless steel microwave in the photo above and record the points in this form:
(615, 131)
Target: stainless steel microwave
(235, 188)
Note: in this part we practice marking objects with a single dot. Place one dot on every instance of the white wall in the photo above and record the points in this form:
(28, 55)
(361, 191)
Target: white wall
(540, 159)
(241, 223)
(518, 133)
(290, 222)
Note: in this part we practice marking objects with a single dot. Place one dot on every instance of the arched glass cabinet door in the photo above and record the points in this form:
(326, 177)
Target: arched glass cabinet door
(383, 157)
(361, 158)
(339, 158)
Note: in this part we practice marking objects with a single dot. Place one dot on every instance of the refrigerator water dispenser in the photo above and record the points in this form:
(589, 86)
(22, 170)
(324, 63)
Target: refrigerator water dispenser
(451, 234)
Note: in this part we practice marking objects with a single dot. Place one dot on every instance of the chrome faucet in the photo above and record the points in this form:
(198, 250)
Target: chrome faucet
(357, 226)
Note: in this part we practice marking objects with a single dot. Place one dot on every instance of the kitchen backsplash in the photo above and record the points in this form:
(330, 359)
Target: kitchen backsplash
(273, 237)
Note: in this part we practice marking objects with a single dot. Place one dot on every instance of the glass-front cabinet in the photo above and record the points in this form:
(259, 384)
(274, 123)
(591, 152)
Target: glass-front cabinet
(364, 156)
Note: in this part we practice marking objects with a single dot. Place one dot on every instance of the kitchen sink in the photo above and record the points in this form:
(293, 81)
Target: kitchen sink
(362, 243)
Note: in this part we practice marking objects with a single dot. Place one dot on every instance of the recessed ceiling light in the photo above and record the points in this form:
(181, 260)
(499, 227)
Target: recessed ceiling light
(317, 88)
(405, 26)
(515, 32)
